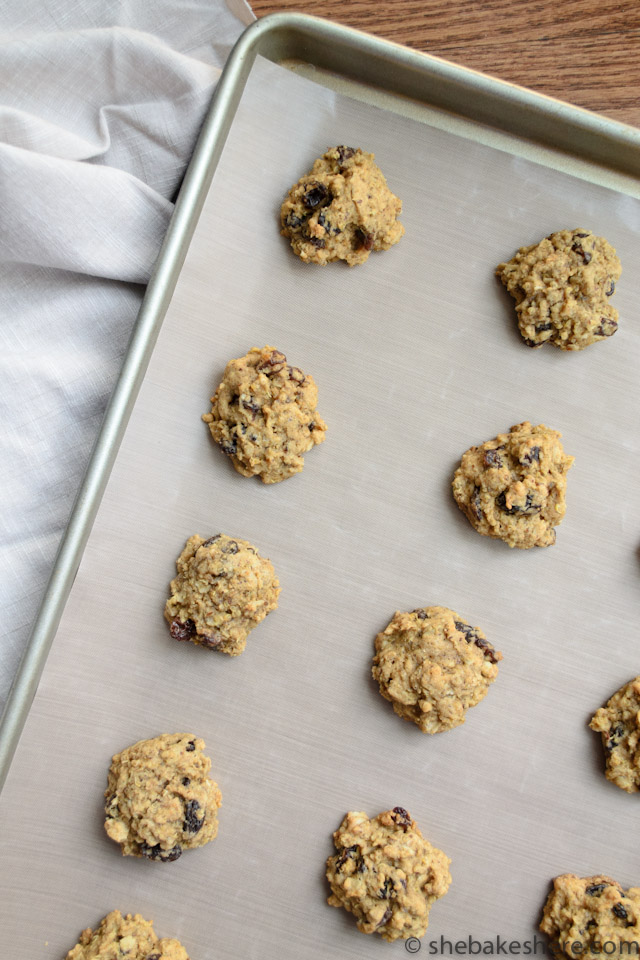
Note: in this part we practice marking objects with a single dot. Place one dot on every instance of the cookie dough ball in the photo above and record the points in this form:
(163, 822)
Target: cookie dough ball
(342, 210)
(619, 724)
(264, 417)
(159, 799)
(513, 487)
(561, 286)
(591, 911)
(223, 590)
(127, 937)
(432, 665)
(386, 874)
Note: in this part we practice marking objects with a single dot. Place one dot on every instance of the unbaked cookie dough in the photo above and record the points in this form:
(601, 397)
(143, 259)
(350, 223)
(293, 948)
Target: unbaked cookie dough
(264, 417)
(561, 288)
(223, 590)
(432, 665)
(513, 487)
(591, 911)
(125, 938)
(341, 210)
(619, 724)
(159, 798)
(386, 874)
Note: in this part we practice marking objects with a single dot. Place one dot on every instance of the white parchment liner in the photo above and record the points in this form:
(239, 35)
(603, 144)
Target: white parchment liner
(417, 357)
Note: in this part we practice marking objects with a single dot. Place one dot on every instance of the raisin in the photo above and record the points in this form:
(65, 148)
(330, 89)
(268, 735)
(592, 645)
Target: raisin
(531, 456)
(345, 153)
(607, 327)
(528, 510)
(211, 540)
(293, 221)
(531, 507)
(186, 781)
(317, 242)
(250, 406)
(581, 235)
(387, 916)
(316, 194)
(493, 459)
(420, 614)
(387, 890)
(614, 736)
(295, 373)
(347, 854)
(475, 504)
(470, 632)
(401, 818)
(323, 222)
(542, 327)
(157, 853)
(190, 747)
(192, 823)
(210, 640)
(153, 956)
(531, 343)
(231, 547)
(487, 649)
(620, 911)
(311, 426)
(577, 248)
(611, 289)
(595, 889)
(364, 240)
(229, 448)
(273, 363)
(471, 636)
(182, 631)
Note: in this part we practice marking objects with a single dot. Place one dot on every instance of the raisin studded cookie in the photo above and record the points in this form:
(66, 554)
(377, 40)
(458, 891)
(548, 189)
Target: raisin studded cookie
(341, 210)
(386, 874)
(432, 665)
(619, 724)
(591, 911)
(561, 286)
(513, 487)
(264, 417)
(159, 798)
(223, 590)
(125, 938)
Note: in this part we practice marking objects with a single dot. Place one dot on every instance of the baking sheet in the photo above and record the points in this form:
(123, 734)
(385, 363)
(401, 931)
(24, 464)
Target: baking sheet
(417, 357)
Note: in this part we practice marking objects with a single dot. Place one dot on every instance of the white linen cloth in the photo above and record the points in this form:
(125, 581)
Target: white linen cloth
(101, 102)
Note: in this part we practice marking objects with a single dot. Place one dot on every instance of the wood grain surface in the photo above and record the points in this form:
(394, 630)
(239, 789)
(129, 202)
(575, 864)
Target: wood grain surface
(583, 51)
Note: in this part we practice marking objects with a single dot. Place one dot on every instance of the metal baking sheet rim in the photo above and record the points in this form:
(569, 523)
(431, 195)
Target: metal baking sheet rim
(356, 56)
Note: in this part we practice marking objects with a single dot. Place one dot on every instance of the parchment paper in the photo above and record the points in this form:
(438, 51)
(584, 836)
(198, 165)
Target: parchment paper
(417, 357)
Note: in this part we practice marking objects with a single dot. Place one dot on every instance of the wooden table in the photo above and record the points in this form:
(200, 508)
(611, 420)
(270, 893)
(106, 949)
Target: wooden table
(586, 52)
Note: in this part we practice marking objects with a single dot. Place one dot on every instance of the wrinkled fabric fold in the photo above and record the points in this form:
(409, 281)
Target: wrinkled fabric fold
(100, 108)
